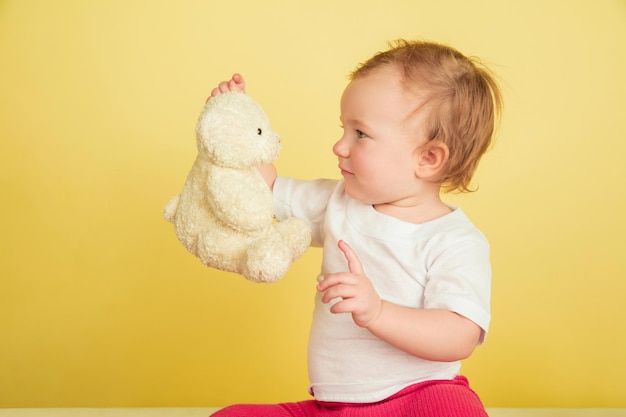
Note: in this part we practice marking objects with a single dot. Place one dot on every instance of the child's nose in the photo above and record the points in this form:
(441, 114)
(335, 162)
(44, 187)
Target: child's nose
(340, 148)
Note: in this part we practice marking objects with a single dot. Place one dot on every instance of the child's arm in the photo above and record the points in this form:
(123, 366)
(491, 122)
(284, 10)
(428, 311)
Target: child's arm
(432, 334)
(238, 83)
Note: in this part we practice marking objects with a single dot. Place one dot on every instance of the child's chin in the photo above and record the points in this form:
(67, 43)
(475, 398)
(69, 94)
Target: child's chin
(355, 195)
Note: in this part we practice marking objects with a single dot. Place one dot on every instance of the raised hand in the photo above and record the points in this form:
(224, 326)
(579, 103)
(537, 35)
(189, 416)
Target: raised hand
(356, 291)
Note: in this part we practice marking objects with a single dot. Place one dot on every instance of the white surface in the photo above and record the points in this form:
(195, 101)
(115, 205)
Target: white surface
(556, 412)
(205, 412)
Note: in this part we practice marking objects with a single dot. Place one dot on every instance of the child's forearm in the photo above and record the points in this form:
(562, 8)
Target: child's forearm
(431, 334)
(268, 171)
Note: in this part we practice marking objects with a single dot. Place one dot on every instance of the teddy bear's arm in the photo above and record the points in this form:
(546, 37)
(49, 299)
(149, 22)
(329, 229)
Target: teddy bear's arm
(169, 211)
(240, 198)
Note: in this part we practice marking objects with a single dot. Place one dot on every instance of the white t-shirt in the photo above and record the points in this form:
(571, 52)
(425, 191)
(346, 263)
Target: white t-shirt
(440, 264)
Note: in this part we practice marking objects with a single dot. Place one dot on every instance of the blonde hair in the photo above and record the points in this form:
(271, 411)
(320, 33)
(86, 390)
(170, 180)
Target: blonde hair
(461, 95)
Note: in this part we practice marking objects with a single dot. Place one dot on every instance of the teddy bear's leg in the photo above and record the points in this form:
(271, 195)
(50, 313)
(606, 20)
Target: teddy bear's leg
(268, 259)
(220, 251)
(296, 234)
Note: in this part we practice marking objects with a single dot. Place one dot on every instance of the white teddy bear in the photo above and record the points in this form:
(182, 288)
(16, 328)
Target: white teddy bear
(225, 213)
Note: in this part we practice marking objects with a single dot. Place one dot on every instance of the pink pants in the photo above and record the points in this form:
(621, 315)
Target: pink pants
(427, 399)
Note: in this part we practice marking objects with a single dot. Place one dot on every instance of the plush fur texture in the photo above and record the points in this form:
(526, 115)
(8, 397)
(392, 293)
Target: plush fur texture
(225, 213)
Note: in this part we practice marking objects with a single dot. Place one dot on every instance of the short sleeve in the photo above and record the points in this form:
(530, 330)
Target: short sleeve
(459, 280)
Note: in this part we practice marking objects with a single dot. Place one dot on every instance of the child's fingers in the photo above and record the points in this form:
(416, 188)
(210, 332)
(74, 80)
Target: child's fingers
(232, 86)
(344, 291)
(343, 306)
(331, 280)
(354, 264)
(225, 86)
(236, 83)
(220, 89)
(239, 81)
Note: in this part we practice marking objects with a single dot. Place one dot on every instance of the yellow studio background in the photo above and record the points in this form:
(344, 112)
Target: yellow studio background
(100, 306)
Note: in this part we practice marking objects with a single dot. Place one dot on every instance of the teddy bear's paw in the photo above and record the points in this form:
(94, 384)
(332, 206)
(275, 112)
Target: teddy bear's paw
(169, 211)
(267, 261)
(296, 234)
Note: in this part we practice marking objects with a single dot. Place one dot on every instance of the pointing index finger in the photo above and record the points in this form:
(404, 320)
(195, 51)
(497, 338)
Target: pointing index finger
(354, 265)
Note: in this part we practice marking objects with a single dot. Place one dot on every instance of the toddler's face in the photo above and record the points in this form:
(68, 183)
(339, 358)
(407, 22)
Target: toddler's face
(381, 133)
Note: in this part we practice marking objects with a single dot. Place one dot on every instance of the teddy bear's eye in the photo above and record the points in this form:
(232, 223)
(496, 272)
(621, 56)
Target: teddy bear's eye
(259, 131)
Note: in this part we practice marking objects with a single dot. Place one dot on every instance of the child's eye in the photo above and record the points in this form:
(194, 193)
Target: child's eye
(360, 134)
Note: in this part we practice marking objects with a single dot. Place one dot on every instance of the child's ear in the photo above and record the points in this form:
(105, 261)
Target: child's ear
(432, 158)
